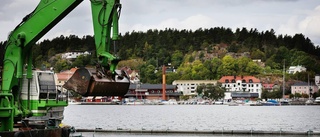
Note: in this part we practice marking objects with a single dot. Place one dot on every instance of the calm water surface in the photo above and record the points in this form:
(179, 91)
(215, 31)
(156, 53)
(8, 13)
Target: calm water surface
(193, 117)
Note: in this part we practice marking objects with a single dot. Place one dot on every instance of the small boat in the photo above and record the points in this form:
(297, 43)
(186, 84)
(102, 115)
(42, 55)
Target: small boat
(169, 102)
(271, 103)
(73, 102)
(317, 100)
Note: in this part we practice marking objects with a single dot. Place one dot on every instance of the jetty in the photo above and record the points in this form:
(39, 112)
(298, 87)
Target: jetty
(204, 132)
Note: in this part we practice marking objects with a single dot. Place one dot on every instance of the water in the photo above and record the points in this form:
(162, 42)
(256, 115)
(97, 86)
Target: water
(193, 117)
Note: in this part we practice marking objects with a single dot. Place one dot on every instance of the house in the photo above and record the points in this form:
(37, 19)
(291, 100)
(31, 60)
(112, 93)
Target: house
(270, 87)
(152, 92)
(247, 87)
(317, 80)
(295, 69)
(62, 77)
(74, 55)
(303, 88)
(188, 87)
(133, 75)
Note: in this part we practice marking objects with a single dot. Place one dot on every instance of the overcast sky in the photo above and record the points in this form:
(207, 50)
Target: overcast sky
(284, 16)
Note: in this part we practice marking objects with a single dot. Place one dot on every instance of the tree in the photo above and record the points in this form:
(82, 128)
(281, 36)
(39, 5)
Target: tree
(228, 66)
(147, 73)
(253, 68)
(214, 92)
(199, 72)
(212, 66)
(242, 65)
(200, 88)
(176, 58)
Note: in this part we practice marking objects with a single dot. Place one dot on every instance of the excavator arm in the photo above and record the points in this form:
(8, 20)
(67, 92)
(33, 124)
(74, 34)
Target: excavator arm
(17, 57)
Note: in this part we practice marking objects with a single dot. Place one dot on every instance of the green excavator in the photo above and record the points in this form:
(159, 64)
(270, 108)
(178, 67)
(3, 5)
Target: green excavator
(28, 97)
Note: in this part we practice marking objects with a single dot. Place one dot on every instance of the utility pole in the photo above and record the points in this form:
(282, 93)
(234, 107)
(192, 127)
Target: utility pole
(164, 82)
(284, 78)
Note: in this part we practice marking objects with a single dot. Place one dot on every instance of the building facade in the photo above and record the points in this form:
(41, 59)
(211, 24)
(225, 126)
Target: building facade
(152, 92)
(74, 55)
(63, 77)
(189, 87)
(295, 69)
(248, 87)
(303, 88)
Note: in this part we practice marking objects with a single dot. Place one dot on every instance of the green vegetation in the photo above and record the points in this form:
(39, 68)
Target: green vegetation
(200, 54)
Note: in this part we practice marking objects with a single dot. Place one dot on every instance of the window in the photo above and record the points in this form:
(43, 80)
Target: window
(250, 81)
(227, 81)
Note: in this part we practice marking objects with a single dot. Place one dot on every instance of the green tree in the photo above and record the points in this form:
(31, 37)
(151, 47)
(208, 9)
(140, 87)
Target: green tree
(198, 71)
(61, 64)
(148, 73)
(213, 65)
(214, 92)
(200, 88)
(242, 65)
(177, 58)
(228, 66)
(253, 68)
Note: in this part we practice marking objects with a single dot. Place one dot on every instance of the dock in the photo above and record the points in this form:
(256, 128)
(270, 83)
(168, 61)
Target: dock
(204, 132)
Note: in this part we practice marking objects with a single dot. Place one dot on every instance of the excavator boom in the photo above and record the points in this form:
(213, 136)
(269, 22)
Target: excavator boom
(25, 93)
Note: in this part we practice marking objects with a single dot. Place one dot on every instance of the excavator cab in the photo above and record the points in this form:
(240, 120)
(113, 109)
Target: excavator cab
(92, 82)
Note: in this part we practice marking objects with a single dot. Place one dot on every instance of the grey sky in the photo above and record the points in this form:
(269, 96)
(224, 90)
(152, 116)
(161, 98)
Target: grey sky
(284, 16)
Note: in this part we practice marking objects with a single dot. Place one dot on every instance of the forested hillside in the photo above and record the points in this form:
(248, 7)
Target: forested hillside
(199, 54)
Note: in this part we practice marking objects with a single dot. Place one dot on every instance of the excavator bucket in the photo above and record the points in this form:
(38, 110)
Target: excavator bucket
(87, 83)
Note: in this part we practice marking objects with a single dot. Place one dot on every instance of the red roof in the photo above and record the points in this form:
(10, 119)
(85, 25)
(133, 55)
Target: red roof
(65, 75)
(236, 78)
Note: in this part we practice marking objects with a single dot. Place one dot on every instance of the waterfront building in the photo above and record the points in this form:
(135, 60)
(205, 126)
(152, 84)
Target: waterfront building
(74, 55)
(63, 77)
(304, 88)
(317, 80)
(152, 92)
(295, 69)
(244, 87)
(189, 87)
(270, 87)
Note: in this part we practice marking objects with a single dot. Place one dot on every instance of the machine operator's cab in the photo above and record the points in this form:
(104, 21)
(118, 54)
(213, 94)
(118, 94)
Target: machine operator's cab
(45, 102)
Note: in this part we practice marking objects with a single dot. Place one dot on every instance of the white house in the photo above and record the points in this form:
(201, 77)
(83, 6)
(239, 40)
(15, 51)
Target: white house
(247, 87)
(74, 55)
(317, 80)
(295, 69)
(188, 87)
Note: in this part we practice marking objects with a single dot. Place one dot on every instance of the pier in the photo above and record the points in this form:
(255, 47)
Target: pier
(205, 132)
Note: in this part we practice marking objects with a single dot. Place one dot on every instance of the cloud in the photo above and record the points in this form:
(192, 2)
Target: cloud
(310, 25)
(193, 22)
(307, 25)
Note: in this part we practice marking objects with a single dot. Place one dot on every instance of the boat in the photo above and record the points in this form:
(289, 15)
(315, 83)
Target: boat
(169, 102)
(270, 103)
(252, 103)
(317, 100)
(73, 102)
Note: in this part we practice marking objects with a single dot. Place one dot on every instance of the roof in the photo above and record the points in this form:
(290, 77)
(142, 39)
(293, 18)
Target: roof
(65, 75)
(268, 85)
(244, 95)
(300, 84)
(151, 86)
(236, 78)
